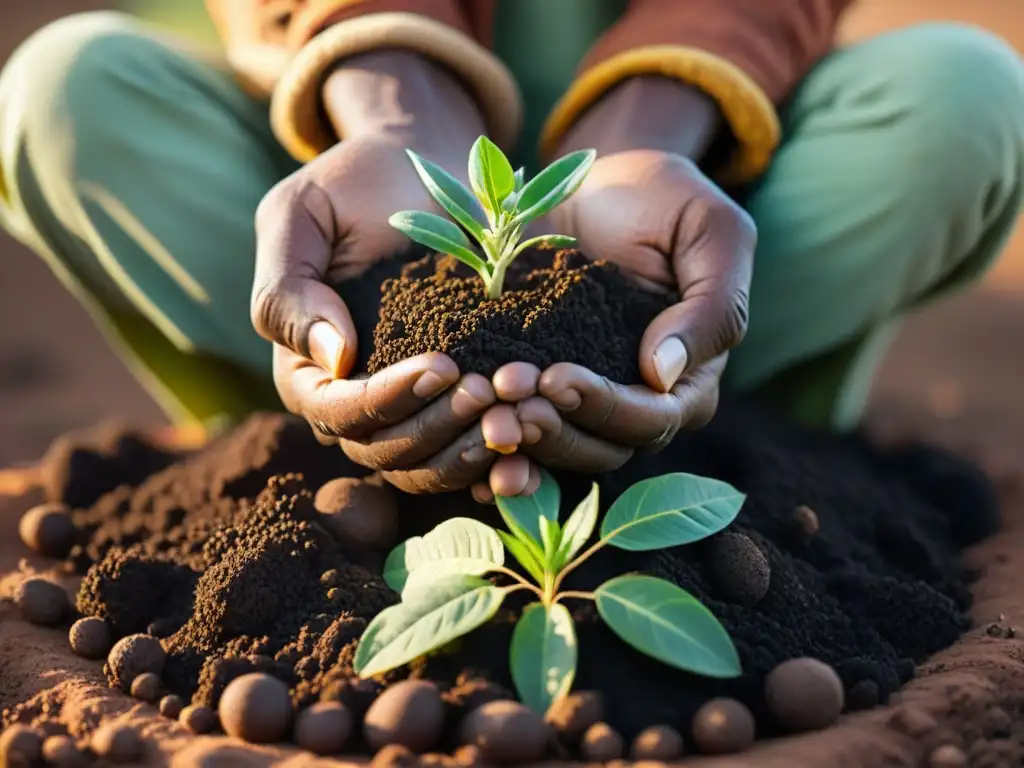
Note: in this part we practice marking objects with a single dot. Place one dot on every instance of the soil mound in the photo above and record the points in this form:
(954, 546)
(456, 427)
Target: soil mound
(557, 307)
(221, 554)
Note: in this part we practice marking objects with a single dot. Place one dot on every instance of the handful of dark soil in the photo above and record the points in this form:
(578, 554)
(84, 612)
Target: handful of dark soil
(225, 558)
(557, 307)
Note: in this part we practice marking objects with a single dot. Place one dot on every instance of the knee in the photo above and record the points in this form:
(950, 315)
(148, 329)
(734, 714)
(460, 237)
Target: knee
(73, 76)
(959, 94)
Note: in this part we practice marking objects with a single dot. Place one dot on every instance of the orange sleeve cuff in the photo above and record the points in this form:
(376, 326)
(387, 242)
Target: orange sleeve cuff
(746, 108)
(294, 108)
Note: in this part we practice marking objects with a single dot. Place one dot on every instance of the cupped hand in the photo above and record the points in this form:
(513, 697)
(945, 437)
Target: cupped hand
(420, 423)
(658, 217)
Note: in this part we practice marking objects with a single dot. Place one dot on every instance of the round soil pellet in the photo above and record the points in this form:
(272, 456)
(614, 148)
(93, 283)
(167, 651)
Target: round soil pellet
(117, 742)
(90, 638)
(162, 628)
(62, 752)
(20, 745)
(507, 733)
(135, 655)
(804, 695)
(147, 687)
(256, 707)
(739, 569)
(171, 706)
(723, 726)
(198, 719)
(571, 715)
(659, 742)
(42, 602)
(410, 713)
(601, 744)
(48, 530)
(394, 756)
(806, 520)
(358, 513)
(863, 694)
(947, 756)
(323, 728)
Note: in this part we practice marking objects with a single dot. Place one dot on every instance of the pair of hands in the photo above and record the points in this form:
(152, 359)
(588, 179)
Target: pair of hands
(421, 423)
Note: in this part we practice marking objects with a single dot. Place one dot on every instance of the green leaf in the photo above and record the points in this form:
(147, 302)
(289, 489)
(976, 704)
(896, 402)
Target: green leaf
(522, 513)
(437, 233)
(670, 510)
(531, 559)
(669, 624)
(552, 241)
(553, 185)
(459, 545)
(579, 527)
(543, 655)
(450, 193)
(508, 205)
(551, 538)
(425, 620)
(490, 174)
(520, 179)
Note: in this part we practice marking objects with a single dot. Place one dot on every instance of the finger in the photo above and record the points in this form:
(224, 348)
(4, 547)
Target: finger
(712, 261)
(291, 305)
(509, 476)
(427, 431)
(456, 467)
(482, 493)
(636, 416)
(516, 381)
(564, 446)
(355, 408)
(501, 429)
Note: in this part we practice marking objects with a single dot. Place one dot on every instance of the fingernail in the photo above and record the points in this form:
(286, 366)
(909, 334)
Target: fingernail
(531, 434)
(466, 404)
(670, 362)
(476, 455)
(429, 385)
(502, 448)
(326, 346)
(566, 400)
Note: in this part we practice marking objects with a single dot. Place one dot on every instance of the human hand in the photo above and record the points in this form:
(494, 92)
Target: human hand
(419, 423)
(655, 215)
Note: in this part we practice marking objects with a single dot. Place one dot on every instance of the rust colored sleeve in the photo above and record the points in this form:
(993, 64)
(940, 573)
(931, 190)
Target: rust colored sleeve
(294, 50)
(747, 54)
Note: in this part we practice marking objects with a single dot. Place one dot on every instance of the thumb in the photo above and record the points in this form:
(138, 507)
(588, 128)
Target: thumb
(713, 264)
(291, 304)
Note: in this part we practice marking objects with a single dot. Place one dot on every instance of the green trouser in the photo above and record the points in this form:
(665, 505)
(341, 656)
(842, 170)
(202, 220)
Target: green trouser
(134, 168)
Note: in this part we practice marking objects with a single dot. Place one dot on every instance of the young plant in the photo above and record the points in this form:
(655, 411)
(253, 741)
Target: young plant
(444, 596)
(495, 213)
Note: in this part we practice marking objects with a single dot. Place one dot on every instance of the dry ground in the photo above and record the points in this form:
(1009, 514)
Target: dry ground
(959, 364)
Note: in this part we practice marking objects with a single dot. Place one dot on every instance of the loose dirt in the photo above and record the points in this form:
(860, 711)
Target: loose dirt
(223, 551)
(557, 307)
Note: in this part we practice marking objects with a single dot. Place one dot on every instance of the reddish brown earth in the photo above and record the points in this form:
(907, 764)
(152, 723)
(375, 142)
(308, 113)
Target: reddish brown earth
(953, 376)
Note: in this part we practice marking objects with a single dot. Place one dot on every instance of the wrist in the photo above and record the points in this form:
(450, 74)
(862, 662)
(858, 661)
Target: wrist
(404, 96)
(648, 112)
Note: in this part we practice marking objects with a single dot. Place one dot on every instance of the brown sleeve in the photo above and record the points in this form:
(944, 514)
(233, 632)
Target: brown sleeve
(293, 52)
(747, 54)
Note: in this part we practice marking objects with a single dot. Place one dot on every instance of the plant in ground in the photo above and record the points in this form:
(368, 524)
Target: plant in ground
(495, 213)
(444, 595)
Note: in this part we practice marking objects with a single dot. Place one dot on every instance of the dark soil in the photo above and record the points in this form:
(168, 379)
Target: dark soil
(224, 547)
(557, 307)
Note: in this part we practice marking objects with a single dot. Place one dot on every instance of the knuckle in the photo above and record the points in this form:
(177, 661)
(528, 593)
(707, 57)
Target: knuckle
(735, 319)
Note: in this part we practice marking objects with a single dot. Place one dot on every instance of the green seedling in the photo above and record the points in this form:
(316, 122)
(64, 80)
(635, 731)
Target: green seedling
(495, 213)
(444, 594)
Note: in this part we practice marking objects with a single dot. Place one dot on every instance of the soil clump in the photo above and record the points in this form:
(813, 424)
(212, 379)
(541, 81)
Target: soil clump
(557, 307)
(226, 546)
